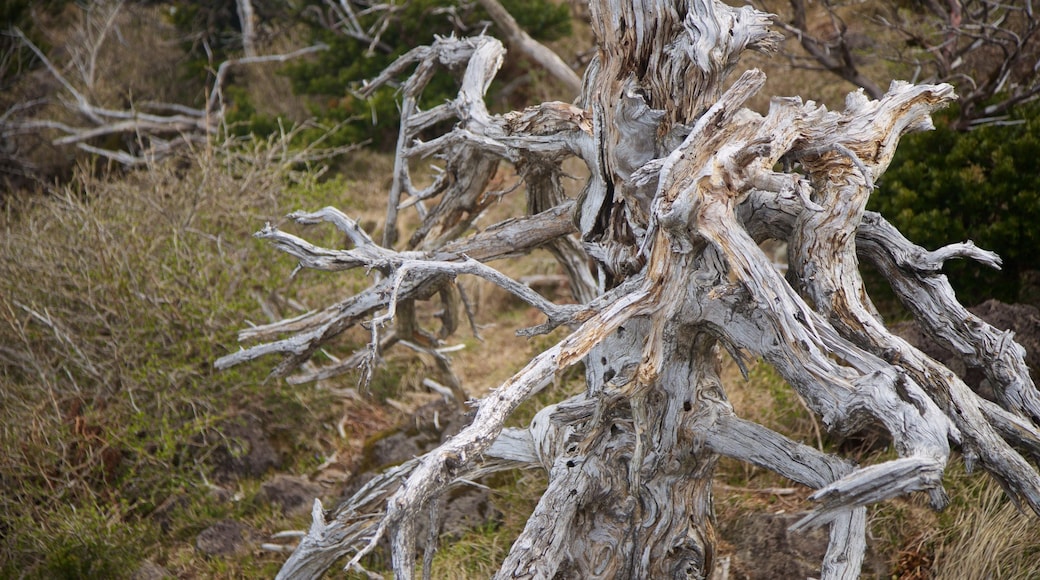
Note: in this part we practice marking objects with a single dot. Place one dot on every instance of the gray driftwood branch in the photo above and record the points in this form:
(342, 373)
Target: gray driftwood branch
(661, 248)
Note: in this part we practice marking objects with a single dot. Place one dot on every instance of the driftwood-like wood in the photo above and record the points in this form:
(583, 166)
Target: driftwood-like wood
(661, 248)
(159, 129)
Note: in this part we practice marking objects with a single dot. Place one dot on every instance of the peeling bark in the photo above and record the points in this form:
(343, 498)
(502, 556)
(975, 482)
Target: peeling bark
(662, 252)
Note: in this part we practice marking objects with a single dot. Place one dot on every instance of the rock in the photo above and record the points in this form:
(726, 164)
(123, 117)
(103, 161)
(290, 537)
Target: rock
(764, 548)
(1022, 319)
(244, 451)
(430, 426)
(294, 494)
(467, 508)
(225, 538)
(398, 447)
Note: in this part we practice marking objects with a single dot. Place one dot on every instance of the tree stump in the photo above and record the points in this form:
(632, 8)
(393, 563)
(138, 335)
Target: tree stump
(662, 250)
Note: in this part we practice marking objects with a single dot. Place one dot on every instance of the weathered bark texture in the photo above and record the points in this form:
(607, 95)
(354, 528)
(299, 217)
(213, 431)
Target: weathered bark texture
(662, 251)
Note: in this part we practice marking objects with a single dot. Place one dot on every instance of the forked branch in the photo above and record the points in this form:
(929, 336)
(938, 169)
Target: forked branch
(684, 184)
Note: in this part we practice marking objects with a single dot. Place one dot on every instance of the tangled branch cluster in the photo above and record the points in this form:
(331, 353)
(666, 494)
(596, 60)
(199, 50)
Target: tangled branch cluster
(662, 251)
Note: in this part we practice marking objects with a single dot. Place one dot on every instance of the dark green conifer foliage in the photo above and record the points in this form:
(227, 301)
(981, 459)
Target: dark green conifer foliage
(983, 185)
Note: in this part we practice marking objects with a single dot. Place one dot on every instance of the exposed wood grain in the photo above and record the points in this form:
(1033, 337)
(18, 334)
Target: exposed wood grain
(661, 249)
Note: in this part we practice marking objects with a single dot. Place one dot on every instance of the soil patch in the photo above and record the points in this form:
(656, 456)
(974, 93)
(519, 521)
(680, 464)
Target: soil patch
(244, 450)
(1021, 319)
(295, 495)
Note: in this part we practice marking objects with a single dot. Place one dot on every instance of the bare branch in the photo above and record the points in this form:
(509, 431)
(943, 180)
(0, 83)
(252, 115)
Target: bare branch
(158, 135)
(247, 18)
(683, 185)
(519, 40)
(214, 105)
(988, 49)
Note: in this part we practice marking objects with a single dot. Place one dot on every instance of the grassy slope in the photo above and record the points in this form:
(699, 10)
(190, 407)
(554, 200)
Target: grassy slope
(115, 298)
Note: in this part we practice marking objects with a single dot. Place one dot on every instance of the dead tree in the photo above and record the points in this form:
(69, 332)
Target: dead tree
(344, 17)
(158, 129)
(662, 251)
(989, 50)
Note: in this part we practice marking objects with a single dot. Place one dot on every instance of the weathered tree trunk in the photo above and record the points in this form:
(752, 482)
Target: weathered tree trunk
(662, 251)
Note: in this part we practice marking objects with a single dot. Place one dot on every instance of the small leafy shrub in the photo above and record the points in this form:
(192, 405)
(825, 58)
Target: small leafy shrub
(983, 185)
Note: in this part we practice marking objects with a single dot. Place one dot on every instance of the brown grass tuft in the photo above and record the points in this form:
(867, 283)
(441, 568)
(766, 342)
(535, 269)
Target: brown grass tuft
(116, 296)
(988, 537)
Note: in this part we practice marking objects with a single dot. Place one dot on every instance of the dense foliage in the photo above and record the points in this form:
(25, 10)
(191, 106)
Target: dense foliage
(946, 186)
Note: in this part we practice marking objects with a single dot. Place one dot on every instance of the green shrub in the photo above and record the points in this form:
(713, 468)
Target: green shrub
(946, 186)
(212, 34)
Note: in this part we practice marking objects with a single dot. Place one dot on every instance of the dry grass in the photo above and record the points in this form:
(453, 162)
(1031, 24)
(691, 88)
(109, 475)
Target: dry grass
(986, 536)
(981, 535)
(116, 294)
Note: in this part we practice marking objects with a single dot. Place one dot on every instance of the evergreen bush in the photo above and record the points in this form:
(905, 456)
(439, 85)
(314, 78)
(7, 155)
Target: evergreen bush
(983, 185)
